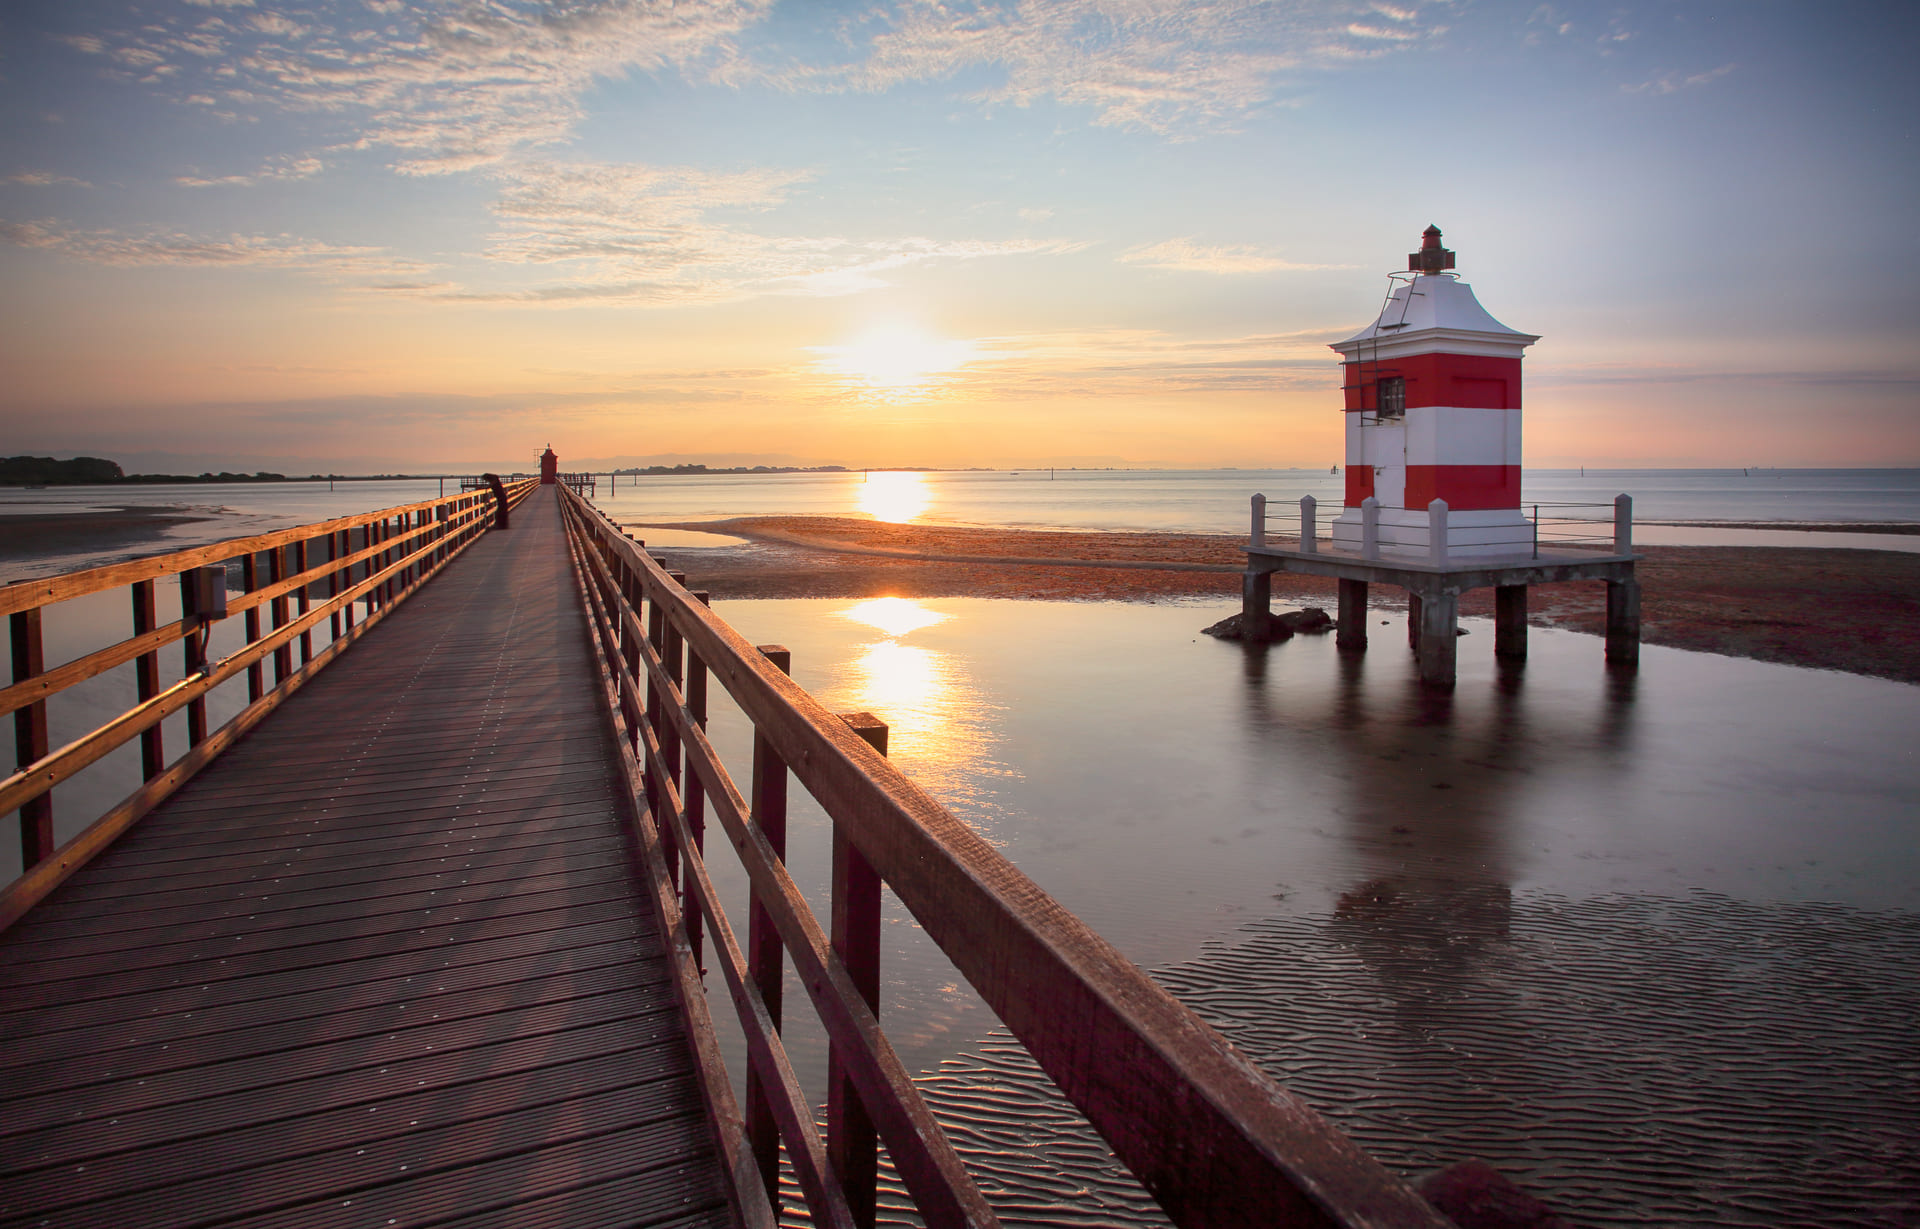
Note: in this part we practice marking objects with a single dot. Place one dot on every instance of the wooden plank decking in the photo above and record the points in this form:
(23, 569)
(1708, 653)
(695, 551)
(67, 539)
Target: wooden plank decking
(384, 963)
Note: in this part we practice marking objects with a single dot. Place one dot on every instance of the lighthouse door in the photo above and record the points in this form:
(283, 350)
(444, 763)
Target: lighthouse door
(1390, 443)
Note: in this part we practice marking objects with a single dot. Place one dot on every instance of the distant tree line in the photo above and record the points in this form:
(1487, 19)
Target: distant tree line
(96, 471)
(734, 469)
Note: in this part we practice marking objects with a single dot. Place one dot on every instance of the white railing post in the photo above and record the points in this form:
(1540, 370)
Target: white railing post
(1259, 537)
(1437, 532)
(1370, 528)
(1623, 524)
(1309, 524)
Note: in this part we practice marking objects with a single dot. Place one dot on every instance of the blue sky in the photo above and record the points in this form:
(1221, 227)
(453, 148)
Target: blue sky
(378, 234)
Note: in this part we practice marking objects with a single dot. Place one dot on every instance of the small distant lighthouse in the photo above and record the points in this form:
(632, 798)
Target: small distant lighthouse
(549, 467)
(1433, 412)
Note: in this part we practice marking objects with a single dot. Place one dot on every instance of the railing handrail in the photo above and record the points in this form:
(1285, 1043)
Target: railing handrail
(1214, 1139)
(401, 547)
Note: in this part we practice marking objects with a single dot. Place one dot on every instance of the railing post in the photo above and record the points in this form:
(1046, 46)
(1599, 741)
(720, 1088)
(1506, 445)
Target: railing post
(300, 598)
(1623, 524)
(672, 652)
(1437, 532)
(1309, 525)
(855, 935)
(1259, 535)
(694, 799)
(1370, 528)
(764, 955)
(194, 657)
(282, 656)
(146, 681)
(249, 581)
(30, 735)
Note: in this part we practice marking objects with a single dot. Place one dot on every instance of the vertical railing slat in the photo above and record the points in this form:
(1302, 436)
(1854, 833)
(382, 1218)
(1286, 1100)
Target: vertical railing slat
(30, 734)
(852, 1144)
(768, 811)
(146, 680)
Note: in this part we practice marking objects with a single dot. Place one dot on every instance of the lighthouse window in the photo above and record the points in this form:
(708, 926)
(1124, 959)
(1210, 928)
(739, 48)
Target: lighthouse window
(1393, 397)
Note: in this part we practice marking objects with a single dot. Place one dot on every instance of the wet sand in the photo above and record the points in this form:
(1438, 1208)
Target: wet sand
(1852, 610)
(61, 533)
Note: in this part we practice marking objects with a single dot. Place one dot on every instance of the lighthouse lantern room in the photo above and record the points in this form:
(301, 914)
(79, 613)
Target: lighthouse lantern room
(1433, 413)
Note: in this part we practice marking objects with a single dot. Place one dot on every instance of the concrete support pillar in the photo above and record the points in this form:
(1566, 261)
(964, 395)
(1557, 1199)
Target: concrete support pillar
(1413, 619)
(1623, 622)
(1510, 622)
(1256, 606)
(1439, 625)
(1351, 631)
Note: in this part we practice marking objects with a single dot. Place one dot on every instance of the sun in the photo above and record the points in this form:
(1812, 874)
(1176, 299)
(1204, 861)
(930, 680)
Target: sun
(895, 359)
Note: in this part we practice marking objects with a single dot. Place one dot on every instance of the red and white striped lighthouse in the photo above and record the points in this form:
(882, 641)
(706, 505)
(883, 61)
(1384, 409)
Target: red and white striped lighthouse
(1433, 412)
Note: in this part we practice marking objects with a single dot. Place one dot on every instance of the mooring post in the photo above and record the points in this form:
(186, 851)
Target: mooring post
(768, 811)
(1510, 622)
(1439, 628)
(1256, 606)
(1309, 525)
(1437, 533)
(1351, 630)
(1623, 524)
(1370, 528)
(855, 935)
(1623, 622)
(1259, 535)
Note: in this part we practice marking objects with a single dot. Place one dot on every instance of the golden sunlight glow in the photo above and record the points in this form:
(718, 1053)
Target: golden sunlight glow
(894, 497)
(896, 616)
(896, 361)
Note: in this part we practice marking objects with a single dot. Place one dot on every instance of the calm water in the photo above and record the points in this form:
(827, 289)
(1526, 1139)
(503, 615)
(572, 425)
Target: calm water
(1650, 944)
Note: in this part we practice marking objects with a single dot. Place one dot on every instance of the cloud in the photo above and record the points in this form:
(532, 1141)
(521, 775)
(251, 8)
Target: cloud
(281, 168)
(1189, 257)
(673, 234)
(1164, 66)
(45, 179)
(450, 85)
(1673, 83)
(161, 248)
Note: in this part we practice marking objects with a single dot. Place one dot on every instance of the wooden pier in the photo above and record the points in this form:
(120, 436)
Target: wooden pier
(432, 945)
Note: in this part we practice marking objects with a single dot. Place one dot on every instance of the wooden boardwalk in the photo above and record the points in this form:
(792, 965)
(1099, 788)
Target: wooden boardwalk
(386, 962)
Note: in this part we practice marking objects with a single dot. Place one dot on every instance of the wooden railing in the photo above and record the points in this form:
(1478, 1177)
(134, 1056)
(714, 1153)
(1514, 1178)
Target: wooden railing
(1206, 1132)
(374, 560)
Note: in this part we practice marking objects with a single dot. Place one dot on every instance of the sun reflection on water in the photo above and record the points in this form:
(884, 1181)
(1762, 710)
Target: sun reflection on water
(938, 722)
(894, 497)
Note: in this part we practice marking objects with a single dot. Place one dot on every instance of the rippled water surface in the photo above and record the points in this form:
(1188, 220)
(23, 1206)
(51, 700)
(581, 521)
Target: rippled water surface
(1650, 944)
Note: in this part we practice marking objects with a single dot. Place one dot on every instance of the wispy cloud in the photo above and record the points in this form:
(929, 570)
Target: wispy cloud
(1165, 66)
(45, 179)
(111, 247)
(1673, 83)
(1188, 256)
(281, 168)
(448, 85)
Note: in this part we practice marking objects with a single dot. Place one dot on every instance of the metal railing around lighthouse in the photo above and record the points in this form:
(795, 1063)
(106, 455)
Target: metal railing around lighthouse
(1585, 526)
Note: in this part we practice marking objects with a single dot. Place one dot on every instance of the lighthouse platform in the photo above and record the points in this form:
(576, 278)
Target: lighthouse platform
(1434, 581)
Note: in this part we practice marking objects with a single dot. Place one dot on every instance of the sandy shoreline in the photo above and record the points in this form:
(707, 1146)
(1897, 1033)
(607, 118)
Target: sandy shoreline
(1835, 609)
(59, 533)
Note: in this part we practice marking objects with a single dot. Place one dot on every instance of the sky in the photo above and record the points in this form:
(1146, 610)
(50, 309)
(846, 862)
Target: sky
(377, 235)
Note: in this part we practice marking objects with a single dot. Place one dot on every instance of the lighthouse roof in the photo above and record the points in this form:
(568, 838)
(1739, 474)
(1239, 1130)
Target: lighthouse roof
(1434, 311)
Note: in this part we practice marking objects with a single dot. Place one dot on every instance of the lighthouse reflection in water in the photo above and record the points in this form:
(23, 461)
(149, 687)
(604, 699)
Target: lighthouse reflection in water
(1653, 934)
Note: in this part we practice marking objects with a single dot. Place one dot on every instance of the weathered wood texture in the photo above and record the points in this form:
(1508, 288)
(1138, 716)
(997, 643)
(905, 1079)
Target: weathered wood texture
(385, 962)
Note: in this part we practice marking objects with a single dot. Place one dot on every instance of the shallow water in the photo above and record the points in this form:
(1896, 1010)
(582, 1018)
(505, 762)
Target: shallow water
(1651, 944)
